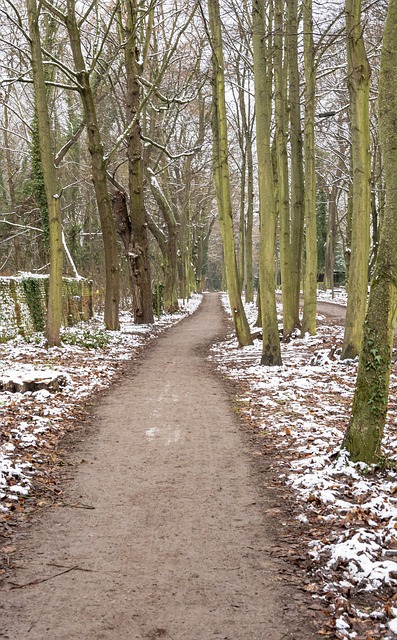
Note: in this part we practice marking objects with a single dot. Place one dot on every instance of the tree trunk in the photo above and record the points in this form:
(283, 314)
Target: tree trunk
(139, 251)
(52, 190)
(358, 79)
(348, 238)
(297, 176)
(12, 201)
(221, 175)
(280, 81)
(99, 176)
(310, 294)
(170, 250)
(242, 222)
(247, 182)
(330, 243)
(249, 276)
(364, 435)
(271, 352)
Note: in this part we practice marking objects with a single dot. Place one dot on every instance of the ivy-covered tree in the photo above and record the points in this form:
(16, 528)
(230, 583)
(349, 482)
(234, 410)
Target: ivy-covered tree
(50, 180)
(359, 73)
(364, 435)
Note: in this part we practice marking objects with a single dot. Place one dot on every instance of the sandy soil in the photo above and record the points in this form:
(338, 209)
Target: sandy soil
(165, 530)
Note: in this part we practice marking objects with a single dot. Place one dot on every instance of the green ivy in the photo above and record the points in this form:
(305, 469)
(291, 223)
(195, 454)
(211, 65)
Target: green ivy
(24, 302)
(46, 283)
(38, 187)
(158, 301)
(87, 338)
(376, 364)
(33, 293)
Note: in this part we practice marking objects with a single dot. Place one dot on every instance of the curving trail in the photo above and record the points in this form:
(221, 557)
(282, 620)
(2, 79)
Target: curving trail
(178, 545)
(333, 312)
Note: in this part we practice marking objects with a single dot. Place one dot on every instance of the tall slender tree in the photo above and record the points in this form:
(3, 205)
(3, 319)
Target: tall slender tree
(271, 352)
(296, 142)
(280, 99)
(359, 85)
(221, 174)
(99, 169)
(364, 435)
(310, 293)
(51, 185)
(135, 60)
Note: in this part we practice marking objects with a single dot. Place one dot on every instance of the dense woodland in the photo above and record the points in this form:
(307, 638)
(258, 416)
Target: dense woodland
(178, 145)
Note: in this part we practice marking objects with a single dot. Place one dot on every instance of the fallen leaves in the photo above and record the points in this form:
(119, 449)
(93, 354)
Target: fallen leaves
(34, 421)
(298, 413)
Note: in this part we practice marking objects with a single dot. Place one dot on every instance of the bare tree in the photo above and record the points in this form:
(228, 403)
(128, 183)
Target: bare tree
(52, 189)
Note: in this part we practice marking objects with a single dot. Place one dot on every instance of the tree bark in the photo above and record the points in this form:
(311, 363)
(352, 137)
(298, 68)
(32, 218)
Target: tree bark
(11, 188)
(170, 249)
(52, 190)
(99, 175)
(271, 352)
(247, 182)
(221, 175)
(310, 294)
(139, 250)
(364, 435)
(280, 99)
(330, 243)
(358, 78)
(242, 224)
(297, 175)
(249, 275)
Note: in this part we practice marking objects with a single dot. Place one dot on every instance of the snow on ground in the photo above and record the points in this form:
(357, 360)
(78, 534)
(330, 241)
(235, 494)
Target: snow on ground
(32, 423)
(338, 296)
(349, 510)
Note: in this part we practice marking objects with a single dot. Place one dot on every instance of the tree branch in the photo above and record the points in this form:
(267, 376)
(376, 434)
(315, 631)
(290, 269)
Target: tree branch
(159, 146)
(63, 151)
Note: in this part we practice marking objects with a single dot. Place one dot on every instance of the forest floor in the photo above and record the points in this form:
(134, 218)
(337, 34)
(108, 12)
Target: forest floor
(167, 524)
(345, 513)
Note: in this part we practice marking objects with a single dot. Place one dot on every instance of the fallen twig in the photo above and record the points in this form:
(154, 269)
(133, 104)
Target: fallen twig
(75, 505)
(34, 582)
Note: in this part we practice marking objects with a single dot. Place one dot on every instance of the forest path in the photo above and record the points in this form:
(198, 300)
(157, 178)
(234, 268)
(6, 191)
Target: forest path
(177, 544)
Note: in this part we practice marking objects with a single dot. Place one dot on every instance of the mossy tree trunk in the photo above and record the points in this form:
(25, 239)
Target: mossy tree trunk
(99, 175)
(348, 232)
(242, 225)
(52, 190)
(297, 176)
(247, 176)
(359, 86)
(221, 175)
(139, 250)
(310, 294)
(375, 227)
(271, 352)
(363, 438)
(280, 98)
(170, 247)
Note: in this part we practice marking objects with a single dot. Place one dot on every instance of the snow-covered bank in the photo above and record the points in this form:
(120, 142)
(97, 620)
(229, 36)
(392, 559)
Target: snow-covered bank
(339, 295)
(349, 511)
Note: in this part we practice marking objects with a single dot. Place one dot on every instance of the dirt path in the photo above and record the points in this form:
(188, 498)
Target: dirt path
(177, 544)
(333, 312)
